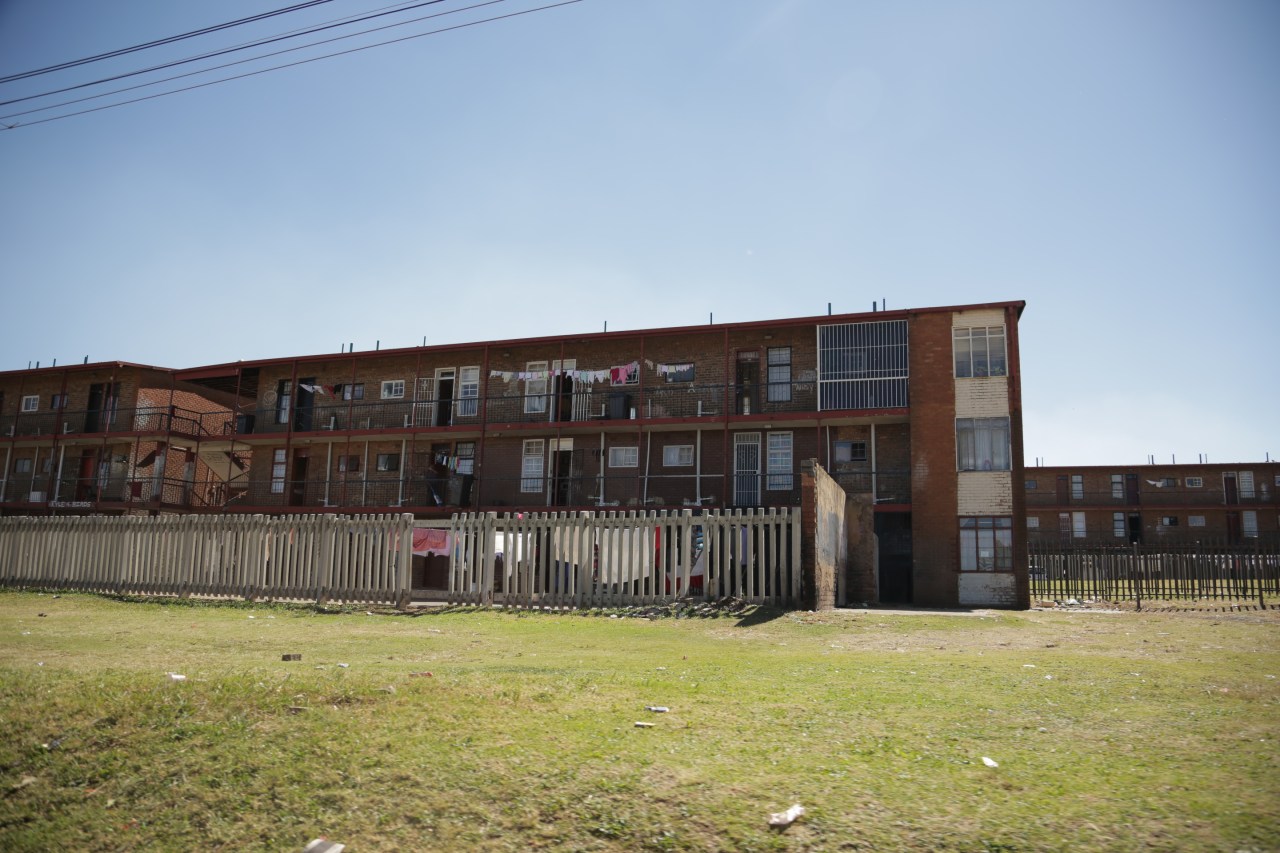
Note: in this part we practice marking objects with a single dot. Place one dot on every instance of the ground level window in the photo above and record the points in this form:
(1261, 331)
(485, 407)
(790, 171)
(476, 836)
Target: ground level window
(624, 457)
(466, 457)
(1168, 521)
(779, 461)
(1033, 523)
(278, 465)
(986, 544)
(851, 451)
(677, 455)
(22, 466)
(1118, 525)
(1249, 523)
(388, 461)
(531, 466)
(348, 464)
(1195, 521)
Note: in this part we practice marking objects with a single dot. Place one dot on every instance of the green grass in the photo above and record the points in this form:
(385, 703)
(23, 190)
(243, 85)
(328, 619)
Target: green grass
(1112, 731)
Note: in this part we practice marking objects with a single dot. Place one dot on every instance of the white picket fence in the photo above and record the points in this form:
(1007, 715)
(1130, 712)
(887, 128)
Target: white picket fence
(320, 558)
(624, 558)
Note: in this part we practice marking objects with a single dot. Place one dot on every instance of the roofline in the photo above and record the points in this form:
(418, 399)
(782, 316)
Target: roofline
(211, 370)
(97, 365)
(1111, 469)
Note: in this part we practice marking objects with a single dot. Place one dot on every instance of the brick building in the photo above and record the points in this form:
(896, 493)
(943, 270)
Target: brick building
(108, 438)
(1148, 504)
(915, 413)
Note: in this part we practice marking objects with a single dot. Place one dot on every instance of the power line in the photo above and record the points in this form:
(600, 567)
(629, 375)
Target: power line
(250, 59)
(215, 53)
(169, 40)
(294, 64)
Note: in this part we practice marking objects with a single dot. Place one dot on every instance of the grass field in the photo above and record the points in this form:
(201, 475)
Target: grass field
(467, 730)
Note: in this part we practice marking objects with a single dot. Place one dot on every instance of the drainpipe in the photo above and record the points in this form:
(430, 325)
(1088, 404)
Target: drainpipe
(404, 460)
(874, 490)
(697, 466)
(57, 482)
(364, 475)
(328, 470)
(4, 480)
(600, 476)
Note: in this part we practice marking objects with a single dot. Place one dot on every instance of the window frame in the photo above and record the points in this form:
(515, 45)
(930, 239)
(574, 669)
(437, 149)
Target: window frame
(971, 542)
(466, 461)
(1249, 523)
(1119, 525)
(57, 402)
(384, 462)
(972, 428)
(30, 403)
(965, 359)
(619, 454)
(349, 463)
(23, 465)
(779, 476)
(350, 392)
(468, 402)
(535, 401)
(1077, 487)
(279, 470)
(850, 445)
(777, 386)
(531, 484)
(680, 451)
(392, 389)
(1194, 482)
(1117, 486)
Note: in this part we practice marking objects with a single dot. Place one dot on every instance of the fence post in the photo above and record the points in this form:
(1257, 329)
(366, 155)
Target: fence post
(1137, 577)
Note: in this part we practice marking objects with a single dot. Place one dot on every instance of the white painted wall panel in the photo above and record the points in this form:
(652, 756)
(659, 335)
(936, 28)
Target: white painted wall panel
(985, 493)
(987, 589)
(982, 397)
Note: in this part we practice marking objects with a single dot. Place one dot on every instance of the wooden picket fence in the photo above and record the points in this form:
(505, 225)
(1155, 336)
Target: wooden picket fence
(319, 558)
(586, 560)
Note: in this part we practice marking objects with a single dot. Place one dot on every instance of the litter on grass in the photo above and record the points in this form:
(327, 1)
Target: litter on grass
(640, 725)
(324, 845)
(174, 676)
(657, 709)
(786, 818)
(989, 762)
(293, 656)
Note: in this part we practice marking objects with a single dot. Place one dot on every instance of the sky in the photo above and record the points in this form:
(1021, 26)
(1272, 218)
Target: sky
(652, 163)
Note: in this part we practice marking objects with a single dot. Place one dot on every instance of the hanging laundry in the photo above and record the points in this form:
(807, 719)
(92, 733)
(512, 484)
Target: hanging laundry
(430, 540)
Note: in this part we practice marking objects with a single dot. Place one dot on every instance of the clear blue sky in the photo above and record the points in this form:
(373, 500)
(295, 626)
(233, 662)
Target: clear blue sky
(646, 162)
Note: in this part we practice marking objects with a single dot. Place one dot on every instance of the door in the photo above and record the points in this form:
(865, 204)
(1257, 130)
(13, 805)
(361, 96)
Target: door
(1064, 493)
(1131, 490)
(298, 485)
(423, 406)
(746, 469)
(445, 377)
(563, 475)
(303, 400)
(893, 533)
(86, 476)
(101, 411)
(747, 383)
(1229, 489)
(1135, 529)
(1233, 527)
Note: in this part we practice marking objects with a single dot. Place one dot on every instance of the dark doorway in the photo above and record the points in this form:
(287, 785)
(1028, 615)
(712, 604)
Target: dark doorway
(302, 403)
(747, 383)
(101, 411)
(1135, 529)
(564, 397)
(1230, 490)
(444, 398)
(562, 478)
(1233, 526)
(1131, 490)
(1063, 493)
(298, 485)
(87, 476)
(893, 529)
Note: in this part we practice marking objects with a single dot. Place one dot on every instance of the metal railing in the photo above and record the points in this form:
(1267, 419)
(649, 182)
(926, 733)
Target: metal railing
(1147, 496)
(141, 419)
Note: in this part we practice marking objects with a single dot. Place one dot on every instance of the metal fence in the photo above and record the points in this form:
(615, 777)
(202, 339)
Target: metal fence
(1197, 571)
(633, 558)
(362, 559)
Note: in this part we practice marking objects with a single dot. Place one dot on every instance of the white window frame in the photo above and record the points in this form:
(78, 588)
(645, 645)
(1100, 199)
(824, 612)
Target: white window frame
(1079, 529)
(964, 358)
(778, 374)
(1119, 525)
(677, 455)
(279, 470)
(535, 390)
(466, 461)
(533, 465)
(1194, 482)
(393, 389)
(1169, 521)
(1244, 483)
(1033, 522)
(624, 457)
(971, 436)
(1249, 523)
(1117, 486)
(779, 465)
(468, 392)
(844, 448)
(1077, 487)
(352, 391)
(1195, 521)
(31, 403)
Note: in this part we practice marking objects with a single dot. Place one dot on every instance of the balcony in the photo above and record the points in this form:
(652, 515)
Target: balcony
(1148, 497)
(572, 405)
(72, 492)
(164, 420)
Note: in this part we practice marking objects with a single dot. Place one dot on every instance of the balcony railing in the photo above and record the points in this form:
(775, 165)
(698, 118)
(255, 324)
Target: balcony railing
(1153, 497)
(142, 419)
(71, 492)
(571, 405)
(893, 487)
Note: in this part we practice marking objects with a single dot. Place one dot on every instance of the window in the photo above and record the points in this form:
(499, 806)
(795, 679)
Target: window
(1117, 486)
(31, 403)
(388, 462)
(393, 389)
(982, 444)
(353, 391)
(1032, 485)
(535, 390)
(468, 392)
(57, 401)
(284, 398)
(1195, 482)
(348, 464)
(1249, 523)
(1195, 521)
(851, 451)
(1077, 525)
(628, 374)
(22, 466)
(779, 462)
(466, 457)
(677, 455)
(862, 365)
(46, 466)
(531, 466)
(277, 471)
(986, 544)
(979, 351)
(1246, 484)
(1168, 521)
(1077, 487)
(1033, 522)
(624, 457)
(779, 377)
(1166, 483)
(1118, 527)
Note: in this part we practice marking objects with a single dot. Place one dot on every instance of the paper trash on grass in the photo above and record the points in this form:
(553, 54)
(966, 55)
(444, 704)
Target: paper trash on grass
(786, 818)
(657, 709)
(989, 762)
(174, 676)
(324, 845)
(640, 725)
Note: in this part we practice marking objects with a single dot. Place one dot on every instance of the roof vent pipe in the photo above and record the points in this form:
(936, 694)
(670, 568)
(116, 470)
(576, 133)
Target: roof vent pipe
(86, 360)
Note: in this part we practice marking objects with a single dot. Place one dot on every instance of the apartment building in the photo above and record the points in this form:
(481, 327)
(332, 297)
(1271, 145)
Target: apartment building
(917, 412)
(1148, 504)
(109, 438)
